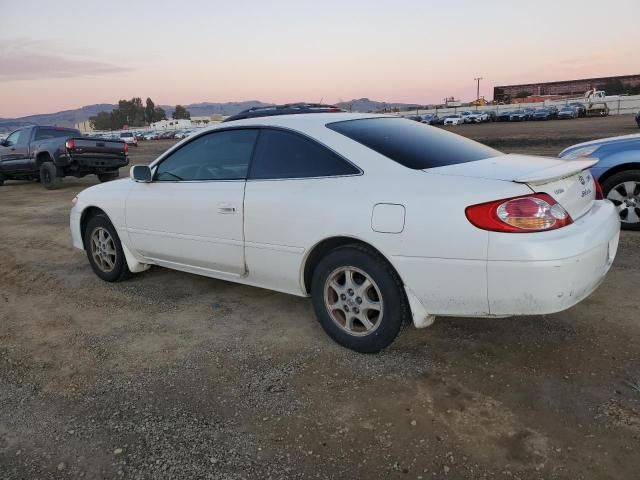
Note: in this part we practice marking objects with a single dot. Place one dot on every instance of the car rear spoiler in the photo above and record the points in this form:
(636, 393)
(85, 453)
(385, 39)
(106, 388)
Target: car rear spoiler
(563, 170)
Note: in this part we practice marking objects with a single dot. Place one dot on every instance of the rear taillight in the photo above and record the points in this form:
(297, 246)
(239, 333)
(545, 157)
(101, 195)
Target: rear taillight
(599, 195)
(530, 213)
(70, 144)
(126, 149)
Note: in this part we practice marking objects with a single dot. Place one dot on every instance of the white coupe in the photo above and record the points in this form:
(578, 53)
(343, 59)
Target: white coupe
(453, 120)
(381, 220)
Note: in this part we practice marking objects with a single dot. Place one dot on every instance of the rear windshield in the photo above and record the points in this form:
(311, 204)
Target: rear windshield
(126, 135)
(412, 144)
(46, 133)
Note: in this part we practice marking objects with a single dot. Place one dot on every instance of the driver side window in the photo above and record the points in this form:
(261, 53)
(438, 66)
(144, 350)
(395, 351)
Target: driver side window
(13, 138)
(215, 156)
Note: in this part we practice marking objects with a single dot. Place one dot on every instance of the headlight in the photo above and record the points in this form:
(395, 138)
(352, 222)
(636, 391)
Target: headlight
(581, 152)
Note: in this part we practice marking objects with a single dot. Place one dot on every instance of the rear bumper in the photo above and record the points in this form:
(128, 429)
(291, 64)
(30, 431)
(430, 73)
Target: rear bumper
(524, 274)
(551, 271)
(95, 164)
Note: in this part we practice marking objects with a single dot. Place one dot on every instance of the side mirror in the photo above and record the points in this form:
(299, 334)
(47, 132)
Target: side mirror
(140, 173)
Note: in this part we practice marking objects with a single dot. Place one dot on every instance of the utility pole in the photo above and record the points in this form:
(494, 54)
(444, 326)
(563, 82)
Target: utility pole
(477, 79)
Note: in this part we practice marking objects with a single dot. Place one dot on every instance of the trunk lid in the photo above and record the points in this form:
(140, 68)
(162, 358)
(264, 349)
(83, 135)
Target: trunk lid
(568, 182)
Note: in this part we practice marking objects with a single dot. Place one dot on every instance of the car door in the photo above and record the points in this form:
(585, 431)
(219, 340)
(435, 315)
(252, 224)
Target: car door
(14, 154)
(191, 213)
(295, 187)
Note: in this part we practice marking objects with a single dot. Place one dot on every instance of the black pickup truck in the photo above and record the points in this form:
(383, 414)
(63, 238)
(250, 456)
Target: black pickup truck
(49, 153)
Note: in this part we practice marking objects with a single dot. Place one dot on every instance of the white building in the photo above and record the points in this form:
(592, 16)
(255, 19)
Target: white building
(171, 124)
(84, 126)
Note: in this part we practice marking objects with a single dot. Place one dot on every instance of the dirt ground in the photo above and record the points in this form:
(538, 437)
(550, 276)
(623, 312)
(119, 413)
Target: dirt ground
(172, 376)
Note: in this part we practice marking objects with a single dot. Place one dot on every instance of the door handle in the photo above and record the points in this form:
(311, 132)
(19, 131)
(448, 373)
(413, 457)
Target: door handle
(226, 208)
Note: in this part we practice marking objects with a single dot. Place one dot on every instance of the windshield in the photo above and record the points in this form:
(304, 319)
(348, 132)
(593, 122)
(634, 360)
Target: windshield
(414, 145)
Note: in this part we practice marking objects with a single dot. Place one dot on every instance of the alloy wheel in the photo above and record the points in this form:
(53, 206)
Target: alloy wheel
(626, 198)
(353, 300)
(103, 249)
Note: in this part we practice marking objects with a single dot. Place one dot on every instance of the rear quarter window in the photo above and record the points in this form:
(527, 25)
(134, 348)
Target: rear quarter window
(282, 154)
(412, 144)
(47, 133)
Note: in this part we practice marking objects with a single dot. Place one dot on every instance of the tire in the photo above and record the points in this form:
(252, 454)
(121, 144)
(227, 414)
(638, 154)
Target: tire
(49, 176)
(107, 177)
(623, 189)
(330, 287)
(104, 250)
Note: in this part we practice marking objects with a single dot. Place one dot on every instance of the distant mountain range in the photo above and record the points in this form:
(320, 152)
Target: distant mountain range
(68, 118)
(365, 105)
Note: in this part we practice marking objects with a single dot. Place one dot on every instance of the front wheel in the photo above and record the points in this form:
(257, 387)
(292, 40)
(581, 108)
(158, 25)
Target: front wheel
(623, 189)
(359, 299)
(104, 250)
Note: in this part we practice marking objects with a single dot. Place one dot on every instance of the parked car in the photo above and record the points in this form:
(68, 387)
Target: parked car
(466, 116)
(492, 117)
(567, 112)
(553, 111)
(580, 108)
(379, 219)
(617, 170)
(151, 136)
(415, 118)
(519, 116)
(504, 116)
(430, 119)
(48, 154)
(453, 120)
(542, 114)
(129, 138)
(180, 134)
(478, 117)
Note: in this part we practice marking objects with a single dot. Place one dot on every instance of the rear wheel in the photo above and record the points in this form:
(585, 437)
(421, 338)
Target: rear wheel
(107, 177)
(49, 176)
(623, 189)
(104, 250)
(358, 299)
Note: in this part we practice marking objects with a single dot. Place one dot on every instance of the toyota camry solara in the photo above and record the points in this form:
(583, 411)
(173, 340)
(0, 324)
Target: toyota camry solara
(380, 220)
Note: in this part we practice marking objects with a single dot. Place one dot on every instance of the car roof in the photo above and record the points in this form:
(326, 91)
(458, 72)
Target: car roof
(284, 109)
(293, 120)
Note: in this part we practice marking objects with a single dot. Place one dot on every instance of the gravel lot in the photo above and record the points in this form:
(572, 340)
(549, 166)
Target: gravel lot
(171, 375)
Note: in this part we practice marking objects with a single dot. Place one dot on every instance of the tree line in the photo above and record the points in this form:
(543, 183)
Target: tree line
(134, 114)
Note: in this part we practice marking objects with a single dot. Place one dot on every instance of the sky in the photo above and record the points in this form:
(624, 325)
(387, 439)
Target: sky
(63, 54)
